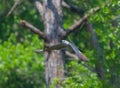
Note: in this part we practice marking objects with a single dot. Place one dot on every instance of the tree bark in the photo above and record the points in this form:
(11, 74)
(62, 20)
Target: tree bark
(51, 13)
(53, 32)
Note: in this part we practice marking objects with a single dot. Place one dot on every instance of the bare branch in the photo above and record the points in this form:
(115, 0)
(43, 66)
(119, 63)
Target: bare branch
(13, 8)
(81, 21)
(39, 7)
(32, 28)
(72, 7)
(64, 4)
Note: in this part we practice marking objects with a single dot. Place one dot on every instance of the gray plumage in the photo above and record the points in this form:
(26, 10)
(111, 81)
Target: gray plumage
(66, 44)
(75, 49)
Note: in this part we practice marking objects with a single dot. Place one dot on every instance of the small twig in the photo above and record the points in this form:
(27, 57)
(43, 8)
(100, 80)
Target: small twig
(81, 21)
(39, 7)
(32, 28)
(13, 8)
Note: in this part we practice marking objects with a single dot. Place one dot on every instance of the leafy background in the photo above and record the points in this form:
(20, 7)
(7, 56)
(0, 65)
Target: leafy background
(21, 67)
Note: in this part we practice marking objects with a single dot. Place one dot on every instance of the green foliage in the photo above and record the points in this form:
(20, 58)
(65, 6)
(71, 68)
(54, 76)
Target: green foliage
(80, 77)
(20, 66)
(108, 39)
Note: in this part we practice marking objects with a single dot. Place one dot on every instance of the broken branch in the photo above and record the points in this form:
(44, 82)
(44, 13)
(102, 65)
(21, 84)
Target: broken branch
(32, 28)
(13, 8)
(66, 52)
(81, 21)
(39, 7)
(72, 7)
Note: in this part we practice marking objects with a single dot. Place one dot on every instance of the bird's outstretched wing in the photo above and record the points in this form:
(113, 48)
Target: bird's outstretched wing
(79, 54)
(66, 44)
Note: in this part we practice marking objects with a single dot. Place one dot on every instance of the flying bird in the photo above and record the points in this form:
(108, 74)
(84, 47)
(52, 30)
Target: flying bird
(79, 54)
(68, 45)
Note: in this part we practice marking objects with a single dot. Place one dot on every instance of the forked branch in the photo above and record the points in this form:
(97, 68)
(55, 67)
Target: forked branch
(32, 28)
(81, 21)
(39, 7)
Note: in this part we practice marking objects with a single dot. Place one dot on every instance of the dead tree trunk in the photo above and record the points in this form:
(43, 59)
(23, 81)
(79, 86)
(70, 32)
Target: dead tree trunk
(53, 32)
(51, 13)
(53, 27)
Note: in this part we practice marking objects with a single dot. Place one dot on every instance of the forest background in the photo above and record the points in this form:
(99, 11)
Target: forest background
(98, 38)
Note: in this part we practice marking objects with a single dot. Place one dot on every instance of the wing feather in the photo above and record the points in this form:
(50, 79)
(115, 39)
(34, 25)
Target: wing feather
(79, 54)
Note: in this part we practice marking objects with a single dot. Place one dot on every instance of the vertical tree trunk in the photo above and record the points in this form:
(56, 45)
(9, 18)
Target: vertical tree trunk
(53, 32)
(51, 12)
